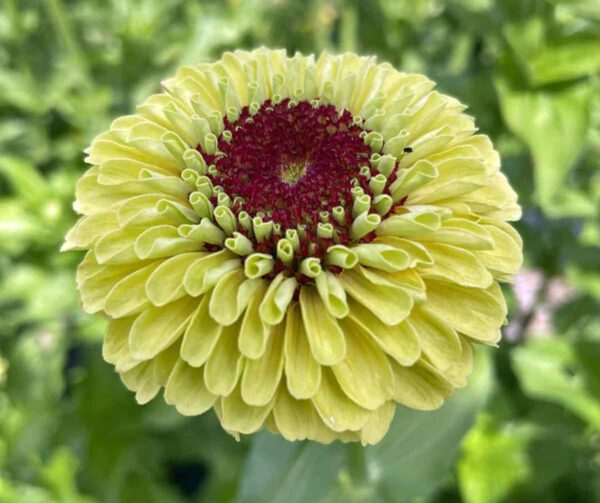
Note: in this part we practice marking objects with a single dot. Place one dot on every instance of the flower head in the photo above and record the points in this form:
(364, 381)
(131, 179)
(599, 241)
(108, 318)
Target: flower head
(299, 244)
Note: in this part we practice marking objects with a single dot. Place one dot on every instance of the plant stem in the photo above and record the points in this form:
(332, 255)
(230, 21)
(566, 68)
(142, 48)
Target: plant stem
(357, 463)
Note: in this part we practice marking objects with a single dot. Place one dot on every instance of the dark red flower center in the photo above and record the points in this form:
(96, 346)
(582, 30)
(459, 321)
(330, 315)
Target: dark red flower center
(291, 162)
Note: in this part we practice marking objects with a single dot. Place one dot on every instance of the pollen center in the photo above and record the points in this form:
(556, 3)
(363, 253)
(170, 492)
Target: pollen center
(292, 173)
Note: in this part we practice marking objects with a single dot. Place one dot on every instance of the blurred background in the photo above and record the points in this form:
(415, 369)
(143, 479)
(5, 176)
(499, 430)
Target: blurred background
(526, 429)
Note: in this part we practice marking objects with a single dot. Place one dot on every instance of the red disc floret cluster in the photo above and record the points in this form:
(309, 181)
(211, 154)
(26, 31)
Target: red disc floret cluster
(291, 163)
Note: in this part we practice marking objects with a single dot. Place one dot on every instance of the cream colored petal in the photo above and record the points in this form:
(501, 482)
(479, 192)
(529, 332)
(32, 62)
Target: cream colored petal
(333, 294)
(364, 374)
(277, 298)
(240, 417)
(117, 247)
(92, 197)
(390, 304)
(117, 171)
(151, 210)
(419, 256)
(456, 265)
(206, 272)
(166, 282)
(128, 296)
(297, 419)
(506, 257)
(410, 225)
(162, 241)
(457, 373)
(378, 424)
(254, 332)
(303, 373)
(474, 312)
(231, 296)
(90, 228)
(336, 410)
(325, 337)
(461, 232)
(225, 363)
(186, 390)
(141, 380)
(164, 363)
(457, 176)
(439, 341)
(398, 341)
(158, 327)
(408, 280)
(115, 348)
(410, 179)
(420, 386)
(261, 376)
(201, 336)
(381, 256)
(95, 288)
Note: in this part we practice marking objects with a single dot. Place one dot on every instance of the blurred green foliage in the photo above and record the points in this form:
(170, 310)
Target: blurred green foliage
(528, 426)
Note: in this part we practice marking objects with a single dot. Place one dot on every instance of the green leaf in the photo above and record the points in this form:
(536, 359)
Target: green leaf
(548, 369)
(565, 60)
(25, 180)
(286, 472)
(494, 461)
(59, 475)
(554, 125)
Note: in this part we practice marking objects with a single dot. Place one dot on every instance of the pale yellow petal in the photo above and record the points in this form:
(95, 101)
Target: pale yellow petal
(364, 374)
(117, 247)
(128, 296)
(240, 417)
(206, 271)
(225, 363)
(141, 380)
(439, 341)
(390, 304)
(401, 342)
(95, 287)
(162, 241)
(333, 294)
(419, 256)
(231, 296)
(254, 332)
(303, 373)
(165, 285)
(378, 424)
(277, 298)
(460, 266)
(336, 410)
(506, 258)
(461, 232)
(297, 419)
(325, 337)
(475, 312)
(381, 256)
(158, 327)
(261, 376)
(115, 348)
(420, 386)
(200, 336)
(458, 373)
(186, 390)
(164, 363)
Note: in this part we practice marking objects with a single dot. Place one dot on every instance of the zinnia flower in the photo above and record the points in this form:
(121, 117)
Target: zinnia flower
(299, 244)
